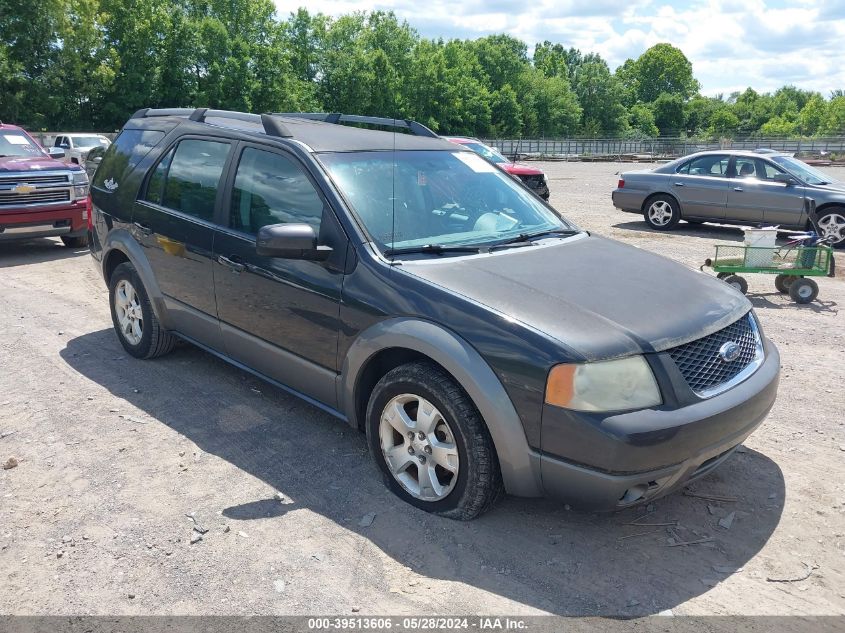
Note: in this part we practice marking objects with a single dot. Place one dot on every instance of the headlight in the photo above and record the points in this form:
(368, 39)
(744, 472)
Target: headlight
(80, 185)
(613, 385)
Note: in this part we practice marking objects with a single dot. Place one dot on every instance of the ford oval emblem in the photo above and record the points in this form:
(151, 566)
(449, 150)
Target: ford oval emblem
(730, 351)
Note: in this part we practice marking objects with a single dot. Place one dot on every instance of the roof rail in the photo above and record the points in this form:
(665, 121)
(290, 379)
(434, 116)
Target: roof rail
(413, 127)
(271, 125)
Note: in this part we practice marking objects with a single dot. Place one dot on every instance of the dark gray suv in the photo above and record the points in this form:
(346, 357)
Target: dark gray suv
(410, 288)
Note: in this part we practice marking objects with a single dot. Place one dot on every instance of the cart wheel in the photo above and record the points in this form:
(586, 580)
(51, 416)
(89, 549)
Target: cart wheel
(737, 282)
(782, 282)
(803, 290)
(723, 275)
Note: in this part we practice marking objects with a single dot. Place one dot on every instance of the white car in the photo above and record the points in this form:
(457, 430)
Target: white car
(77, 146)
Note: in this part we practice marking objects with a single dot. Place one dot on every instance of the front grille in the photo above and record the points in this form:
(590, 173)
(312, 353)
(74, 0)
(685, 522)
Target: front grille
(9, 199)
(702, 366)
(35, 179)
(532, 181)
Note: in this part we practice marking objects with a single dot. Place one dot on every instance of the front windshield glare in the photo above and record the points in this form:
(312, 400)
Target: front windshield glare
(14, 143)
(802, 170)
(409, 199)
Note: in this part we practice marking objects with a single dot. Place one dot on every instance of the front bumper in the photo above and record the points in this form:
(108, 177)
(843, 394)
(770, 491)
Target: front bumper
(67, 220)
(624, 459)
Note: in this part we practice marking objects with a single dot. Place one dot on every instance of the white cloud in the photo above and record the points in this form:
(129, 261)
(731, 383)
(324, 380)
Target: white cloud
(732, 45)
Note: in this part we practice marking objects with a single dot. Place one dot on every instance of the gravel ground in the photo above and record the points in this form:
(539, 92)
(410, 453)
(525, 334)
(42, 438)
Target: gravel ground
(116, 455)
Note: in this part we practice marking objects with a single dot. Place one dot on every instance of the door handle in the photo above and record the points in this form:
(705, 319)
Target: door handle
(738, 189)
(144, 229)
(236, 267)
(679, 184)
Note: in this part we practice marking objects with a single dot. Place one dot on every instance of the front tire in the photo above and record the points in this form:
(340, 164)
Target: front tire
(832, 226)
(662, 213)
(137, 326)
(431, 444)
(803, 290)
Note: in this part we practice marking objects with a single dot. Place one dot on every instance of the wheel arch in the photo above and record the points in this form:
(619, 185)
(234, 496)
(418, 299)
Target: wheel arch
(393, 342)
(120, 247)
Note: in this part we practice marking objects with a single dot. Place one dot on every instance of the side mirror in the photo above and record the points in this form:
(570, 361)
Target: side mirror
(785, 179)
(97, 159)
(290, 241)
(56, 152)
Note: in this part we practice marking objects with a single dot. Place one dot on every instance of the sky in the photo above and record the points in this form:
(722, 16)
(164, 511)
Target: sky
(732, 44)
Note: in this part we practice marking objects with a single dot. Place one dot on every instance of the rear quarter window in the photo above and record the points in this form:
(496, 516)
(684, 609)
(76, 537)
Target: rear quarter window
(127, 151)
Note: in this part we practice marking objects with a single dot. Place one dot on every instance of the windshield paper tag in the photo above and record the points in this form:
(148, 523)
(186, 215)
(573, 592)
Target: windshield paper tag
(16, 139)
(475, 162)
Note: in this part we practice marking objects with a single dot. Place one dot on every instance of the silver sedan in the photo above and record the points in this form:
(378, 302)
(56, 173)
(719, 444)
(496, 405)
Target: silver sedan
(734, 187)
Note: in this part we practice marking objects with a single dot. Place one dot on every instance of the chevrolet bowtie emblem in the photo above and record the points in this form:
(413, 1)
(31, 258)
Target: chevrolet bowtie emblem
(23, 189)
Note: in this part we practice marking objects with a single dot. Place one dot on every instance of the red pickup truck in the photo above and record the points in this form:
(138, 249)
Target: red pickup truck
(40, 196)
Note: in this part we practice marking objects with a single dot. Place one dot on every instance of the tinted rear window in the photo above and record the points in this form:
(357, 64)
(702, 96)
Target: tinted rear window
(127, 151)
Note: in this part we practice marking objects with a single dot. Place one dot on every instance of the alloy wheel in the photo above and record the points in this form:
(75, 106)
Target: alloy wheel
(129, 314)
(832, 226)
(419, 447)
(660, 212)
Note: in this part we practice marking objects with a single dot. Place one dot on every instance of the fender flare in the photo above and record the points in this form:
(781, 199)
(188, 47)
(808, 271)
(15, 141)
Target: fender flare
(123, 241)
(518, 463)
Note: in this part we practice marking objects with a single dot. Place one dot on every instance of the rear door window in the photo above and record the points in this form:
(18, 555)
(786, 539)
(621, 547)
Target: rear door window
(715, 166)
(193, 177)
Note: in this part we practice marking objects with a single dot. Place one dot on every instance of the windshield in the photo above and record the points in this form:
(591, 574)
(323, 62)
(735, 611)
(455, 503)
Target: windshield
(806, 173)
(89, 141)
(410, 199)
(15, 143)
(487, 152)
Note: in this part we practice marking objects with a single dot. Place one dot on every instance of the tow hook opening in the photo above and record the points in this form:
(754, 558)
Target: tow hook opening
(637, 493)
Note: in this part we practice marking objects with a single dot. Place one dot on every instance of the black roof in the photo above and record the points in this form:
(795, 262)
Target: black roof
(313, 130)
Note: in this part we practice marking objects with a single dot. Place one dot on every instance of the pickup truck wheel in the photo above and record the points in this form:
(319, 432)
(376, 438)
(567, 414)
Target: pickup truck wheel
(136, 324)
(431, 444)
(75, 242)
(662, 212)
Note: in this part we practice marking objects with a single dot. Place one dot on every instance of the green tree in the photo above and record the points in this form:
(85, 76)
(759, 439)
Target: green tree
(662, 69)
(641, 120)
(778, 126)
(506, 113)
(669, 114)
(723, 123)
(812, 115)
(834, 120)
(600, 98)
(699, 112)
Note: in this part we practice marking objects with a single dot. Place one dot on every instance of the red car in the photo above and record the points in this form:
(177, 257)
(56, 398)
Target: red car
(40, 196)
(531, 177)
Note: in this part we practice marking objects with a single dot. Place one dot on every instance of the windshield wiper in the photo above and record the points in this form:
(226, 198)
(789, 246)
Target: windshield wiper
(433, 249)
(527, 237)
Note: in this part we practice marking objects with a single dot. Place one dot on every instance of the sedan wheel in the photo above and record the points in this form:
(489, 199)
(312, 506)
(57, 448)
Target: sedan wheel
(419, 447)
(832, 226)
(662, 213)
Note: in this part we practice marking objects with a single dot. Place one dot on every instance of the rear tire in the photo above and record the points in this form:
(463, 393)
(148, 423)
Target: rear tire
(662, 212)
(782, 282)
(421, 400)
(737, 282)
(137, 326)
(803, 290)
(80, 241)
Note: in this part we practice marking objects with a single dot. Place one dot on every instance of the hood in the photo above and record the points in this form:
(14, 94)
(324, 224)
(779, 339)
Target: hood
(34, 163)
(598, 297)
(835, 186)
(520, 170)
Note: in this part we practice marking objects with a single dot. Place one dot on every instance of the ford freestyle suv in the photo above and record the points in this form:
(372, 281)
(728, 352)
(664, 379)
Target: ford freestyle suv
(409, 287)
(531, 177)
(40, 196)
